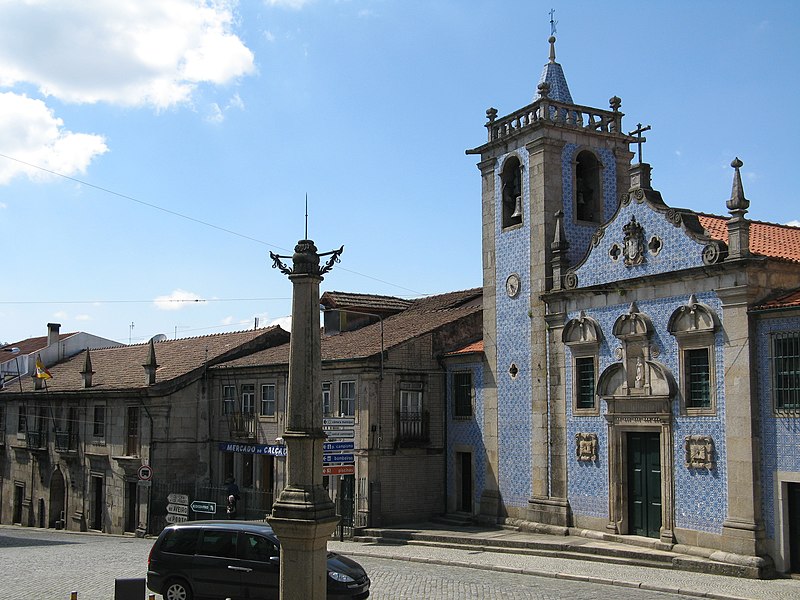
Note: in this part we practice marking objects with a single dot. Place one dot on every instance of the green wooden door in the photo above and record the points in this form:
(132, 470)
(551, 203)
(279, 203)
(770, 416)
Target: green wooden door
(644, 483)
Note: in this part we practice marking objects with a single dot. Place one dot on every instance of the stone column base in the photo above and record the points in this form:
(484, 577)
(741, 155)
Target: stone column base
(553, 512)
(304, 556)
(743, 537)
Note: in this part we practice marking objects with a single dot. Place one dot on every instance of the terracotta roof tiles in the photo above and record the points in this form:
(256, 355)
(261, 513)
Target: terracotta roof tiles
(780, 242)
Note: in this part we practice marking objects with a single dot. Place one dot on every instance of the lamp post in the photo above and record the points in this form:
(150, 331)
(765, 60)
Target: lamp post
(303, 516)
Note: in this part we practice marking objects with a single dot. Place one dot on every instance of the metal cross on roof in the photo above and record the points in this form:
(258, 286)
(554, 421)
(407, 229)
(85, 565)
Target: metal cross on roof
(640, 140)
(552, 22)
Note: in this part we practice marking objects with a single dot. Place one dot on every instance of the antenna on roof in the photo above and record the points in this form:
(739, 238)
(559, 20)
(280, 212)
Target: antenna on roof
(305, 238)
(552, 22)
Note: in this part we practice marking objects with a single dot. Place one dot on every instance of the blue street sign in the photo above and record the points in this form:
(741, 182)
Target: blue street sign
(270, 450)
(338, 458)
(338, 446)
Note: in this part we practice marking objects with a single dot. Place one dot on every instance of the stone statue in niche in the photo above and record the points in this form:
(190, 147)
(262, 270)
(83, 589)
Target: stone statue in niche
(586, 447)
(699, 452)
(639, 381)
(633, 244)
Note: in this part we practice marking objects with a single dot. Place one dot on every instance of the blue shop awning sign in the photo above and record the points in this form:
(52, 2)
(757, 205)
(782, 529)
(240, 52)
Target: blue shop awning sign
(266, 449)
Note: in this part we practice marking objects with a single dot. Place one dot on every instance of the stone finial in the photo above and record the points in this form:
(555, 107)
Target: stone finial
(491, 114)
(87, 371)
(738, 226)
(559, 247)
(151, 365)
(738, 204)
(552, 41)
(544, 89)
(615, 102)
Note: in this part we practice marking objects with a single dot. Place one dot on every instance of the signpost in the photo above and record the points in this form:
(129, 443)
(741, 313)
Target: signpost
(338, 457)
(178, 509)
(173, 518)
(202, 506)
(178, 499)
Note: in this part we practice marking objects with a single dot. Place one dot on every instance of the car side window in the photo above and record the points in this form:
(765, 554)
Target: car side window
(218, 543)
(181, 541)
(256, 547)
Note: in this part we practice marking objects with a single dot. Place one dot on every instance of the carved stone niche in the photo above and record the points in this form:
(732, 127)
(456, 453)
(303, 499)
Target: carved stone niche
(583, 331)
(694, 318)
(586, 447)
(699, 452)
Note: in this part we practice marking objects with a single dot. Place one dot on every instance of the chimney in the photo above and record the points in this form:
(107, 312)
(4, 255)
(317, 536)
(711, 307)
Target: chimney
(150, 366)
(52, 333)
(87, 372)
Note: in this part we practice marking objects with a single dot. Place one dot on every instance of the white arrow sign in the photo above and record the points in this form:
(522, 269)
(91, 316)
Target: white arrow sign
(178, 499)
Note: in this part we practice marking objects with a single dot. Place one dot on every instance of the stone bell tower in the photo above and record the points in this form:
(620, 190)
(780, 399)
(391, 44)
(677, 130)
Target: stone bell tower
(551, 175)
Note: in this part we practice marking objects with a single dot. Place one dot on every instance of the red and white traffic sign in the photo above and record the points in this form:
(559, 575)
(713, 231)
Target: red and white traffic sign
(145, 473)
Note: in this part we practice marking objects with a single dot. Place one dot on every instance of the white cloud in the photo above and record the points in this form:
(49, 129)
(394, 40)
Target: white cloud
(177, 300)
(30, 132)
(3, 205)
(295, 4)
(128, 52)
(269, 36)
(83, 318)
(284, 322)
(795, 223)
(217, 114)
(228, 320)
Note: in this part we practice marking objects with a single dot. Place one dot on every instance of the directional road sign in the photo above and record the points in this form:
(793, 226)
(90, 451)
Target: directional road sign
(338, 422)
(338, 446)
(340, 434)
(339, 470)
(178, 509)
(178, 499)
(204, 506)
(338, 458)
(176, 518)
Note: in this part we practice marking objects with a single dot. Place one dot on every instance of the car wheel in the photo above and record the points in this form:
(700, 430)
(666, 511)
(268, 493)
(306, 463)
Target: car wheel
(177, 589)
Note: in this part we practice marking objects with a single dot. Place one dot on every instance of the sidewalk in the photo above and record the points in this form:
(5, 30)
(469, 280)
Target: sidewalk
(684, 570)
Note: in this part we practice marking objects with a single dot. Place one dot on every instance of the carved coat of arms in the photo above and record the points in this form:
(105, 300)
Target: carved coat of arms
(633, 245)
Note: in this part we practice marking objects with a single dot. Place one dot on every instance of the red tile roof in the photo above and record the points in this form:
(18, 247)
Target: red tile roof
(30, 345)
(121, 368)
(364, 301)
(472, 348)
(784, 300)
(781, 242)
(423, 316)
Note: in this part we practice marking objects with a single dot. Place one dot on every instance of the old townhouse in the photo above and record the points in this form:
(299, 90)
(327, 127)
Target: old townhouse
(101, 443)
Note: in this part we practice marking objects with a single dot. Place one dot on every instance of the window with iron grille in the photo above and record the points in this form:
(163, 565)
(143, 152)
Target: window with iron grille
(268, 399)
(228, 399)
(584, 382)
(347, 398)
(462, 394)
(697, 374)
(248, 398)
(786, 371)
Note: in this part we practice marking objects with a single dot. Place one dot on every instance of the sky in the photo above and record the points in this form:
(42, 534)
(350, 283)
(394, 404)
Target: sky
(153, 152)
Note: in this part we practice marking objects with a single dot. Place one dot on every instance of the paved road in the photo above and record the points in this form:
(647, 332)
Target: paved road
(39, 564)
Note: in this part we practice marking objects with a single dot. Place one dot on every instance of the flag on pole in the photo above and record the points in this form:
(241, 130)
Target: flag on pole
(41, 370)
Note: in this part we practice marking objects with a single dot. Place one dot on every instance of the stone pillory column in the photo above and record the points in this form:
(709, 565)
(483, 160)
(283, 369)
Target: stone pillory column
(304, 517)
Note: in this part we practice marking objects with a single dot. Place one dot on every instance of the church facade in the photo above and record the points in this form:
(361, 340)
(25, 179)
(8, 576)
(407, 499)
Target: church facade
(641, 363)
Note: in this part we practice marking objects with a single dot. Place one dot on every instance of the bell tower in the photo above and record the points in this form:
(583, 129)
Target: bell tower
(551, 174)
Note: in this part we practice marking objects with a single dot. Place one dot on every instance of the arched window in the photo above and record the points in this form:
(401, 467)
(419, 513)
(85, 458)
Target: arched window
(511, 181)
(588, 188)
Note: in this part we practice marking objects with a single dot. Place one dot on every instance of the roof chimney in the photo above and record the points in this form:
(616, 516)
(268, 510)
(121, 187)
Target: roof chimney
(150, 366)
(52, 333)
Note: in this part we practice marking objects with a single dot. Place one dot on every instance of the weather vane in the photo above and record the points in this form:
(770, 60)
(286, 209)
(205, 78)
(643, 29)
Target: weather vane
(552, 22)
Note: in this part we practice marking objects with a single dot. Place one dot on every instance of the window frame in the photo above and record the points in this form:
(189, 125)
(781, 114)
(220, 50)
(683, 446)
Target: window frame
(327, 406)
(780, 407)
(263, 403)
(99, 425)
(458, 399)
(228, 400)
(248, 397)
(598, 203)
(687, 344)
(350, 400)
(578, 383)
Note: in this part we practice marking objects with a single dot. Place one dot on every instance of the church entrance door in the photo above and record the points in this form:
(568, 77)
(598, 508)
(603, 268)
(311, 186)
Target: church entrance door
(644, 483)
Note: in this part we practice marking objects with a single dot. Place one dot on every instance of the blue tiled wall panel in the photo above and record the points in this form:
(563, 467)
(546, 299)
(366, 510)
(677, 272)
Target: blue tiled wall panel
(700, 495)
(678, 251)
(512, 251)
(780, 436)
(578, 234)
(467, 432)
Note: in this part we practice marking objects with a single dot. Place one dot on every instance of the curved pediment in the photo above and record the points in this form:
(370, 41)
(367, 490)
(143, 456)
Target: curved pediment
(693, 317)
(582, 330)
(651, 378)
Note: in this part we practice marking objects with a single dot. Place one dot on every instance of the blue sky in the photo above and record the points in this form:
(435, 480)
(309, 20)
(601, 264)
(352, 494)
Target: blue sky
(230, 114)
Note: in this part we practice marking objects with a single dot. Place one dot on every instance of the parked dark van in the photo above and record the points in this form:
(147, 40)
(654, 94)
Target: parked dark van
(234, 559)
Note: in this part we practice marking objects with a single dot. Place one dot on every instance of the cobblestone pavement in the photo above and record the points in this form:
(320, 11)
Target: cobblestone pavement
(40, 564)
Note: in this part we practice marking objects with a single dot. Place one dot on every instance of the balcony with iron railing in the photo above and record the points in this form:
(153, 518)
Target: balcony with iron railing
(412, 428)
(66, 441)
(36, 440)
(242, 425)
